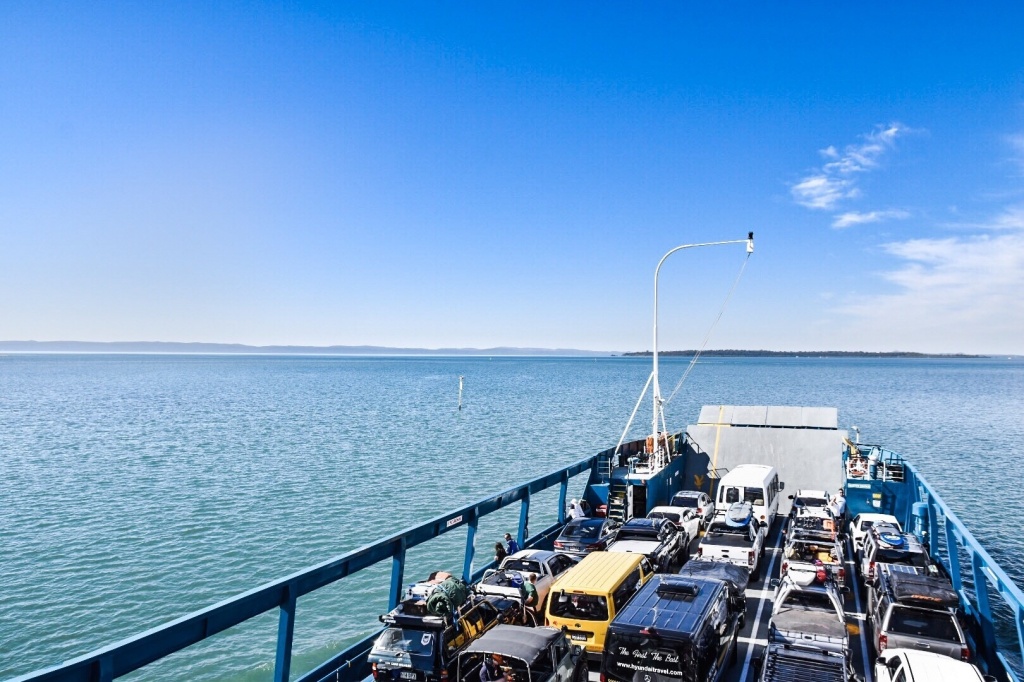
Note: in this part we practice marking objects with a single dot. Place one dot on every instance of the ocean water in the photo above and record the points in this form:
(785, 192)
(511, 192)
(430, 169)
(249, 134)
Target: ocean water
(136, 489)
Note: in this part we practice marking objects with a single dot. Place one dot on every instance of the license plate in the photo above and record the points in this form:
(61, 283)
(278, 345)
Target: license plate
(578, 637)
(406, 675)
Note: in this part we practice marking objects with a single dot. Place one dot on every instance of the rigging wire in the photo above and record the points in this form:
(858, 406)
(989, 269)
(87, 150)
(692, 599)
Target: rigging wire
(707, 337)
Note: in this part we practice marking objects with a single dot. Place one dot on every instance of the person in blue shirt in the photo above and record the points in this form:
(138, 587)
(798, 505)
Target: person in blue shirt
(513, 546)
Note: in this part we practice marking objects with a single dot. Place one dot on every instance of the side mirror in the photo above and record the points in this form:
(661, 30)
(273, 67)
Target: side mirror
(782, 485)
(790, 496)
(773, 583)
(577, 650)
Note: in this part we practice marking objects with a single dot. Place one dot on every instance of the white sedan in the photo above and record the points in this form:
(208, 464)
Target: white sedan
(862, 523)
(684, 518)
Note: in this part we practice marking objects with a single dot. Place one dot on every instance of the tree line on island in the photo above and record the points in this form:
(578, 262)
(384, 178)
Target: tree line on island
(731, 353)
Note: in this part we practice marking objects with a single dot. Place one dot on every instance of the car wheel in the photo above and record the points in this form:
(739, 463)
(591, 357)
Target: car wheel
(582, 669)
(755, 572)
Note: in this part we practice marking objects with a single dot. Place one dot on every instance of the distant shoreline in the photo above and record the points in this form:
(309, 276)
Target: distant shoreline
(183, 348)
(803, 354)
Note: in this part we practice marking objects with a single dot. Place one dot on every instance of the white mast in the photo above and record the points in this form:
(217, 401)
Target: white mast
(655, 386)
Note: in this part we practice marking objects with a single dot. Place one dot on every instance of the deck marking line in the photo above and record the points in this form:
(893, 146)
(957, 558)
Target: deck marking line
(869, 673)
(750, 640)
(760, 606)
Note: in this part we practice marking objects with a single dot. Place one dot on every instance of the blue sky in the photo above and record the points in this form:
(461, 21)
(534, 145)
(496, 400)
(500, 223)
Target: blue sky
(463, 174)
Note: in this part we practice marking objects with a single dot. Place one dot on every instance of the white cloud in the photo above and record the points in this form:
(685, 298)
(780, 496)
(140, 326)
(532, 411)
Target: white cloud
(958, 293)
(856, 218)
(836, 180)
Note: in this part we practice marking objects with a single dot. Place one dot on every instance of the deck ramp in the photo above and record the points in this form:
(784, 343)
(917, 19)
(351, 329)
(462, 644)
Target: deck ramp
(805, 444)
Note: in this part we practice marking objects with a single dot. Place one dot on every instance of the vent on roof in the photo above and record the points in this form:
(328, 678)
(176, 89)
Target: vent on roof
(682, 588)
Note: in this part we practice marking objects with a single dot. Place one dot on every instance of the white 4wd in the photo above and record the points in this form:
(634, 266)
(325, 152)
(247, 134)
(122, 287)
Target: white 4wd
(902, 665)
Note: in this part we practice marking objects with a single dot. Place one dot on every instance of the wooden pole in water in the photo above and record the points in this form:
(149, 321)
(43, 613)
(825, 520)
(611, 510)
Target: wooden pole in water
(460, 393)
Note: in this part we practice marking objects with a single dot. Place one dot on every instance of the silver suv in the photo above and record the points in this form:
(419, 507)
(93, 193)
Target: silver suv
(910, 609)
(887, 544)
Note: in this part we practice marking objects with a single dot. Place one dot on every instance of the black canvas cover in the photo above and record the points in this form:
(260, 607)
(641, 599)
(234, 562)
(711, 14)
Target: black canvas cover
(923, 590)
(736, 577)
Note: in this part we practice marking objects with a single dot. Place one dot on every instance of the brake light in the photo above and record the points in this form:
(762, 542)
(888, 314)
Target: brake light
(820, 574)
(374, 669)
(842, 574)
(604, 678)
(883, 641)
(785, 567)
(699, 510)
(871, 571)
(750, 557)
(558, 545)
(700, 551)
(965, 653)
(444, 674)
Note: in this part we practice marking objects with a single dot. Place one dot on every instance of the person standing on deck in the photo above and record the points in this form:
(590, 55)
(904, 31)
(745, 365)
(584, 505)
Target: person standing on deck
(511, 545)
(530, 597)
(837, 505)
(499, 552)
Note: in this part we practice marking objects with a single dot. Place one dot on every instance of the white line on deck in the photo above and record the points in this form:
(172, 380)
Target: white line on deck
(751, 640)
(851, 571)
(768, 595)
(757, 619)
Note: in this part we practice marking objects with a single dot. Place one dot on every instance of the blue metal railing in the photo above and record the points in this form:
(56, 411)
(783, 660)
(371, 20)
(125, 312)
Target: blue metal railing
(947, 536)
(136, 652)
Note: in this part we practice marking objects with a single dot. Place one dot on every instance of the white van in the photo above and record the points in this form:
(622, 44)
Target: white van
(757, 484)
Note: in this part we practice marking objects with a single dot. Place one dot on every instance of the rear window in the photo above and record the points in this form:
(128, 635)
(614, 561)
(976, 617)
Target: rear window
(685, 501)
(811, 502)
(885, 555)
(522, 565)
(674, 518)
(923, 623)
(753, 495)
(579, 606)
(583, 531)
(809, 600)
(419, 644)
(629, 655)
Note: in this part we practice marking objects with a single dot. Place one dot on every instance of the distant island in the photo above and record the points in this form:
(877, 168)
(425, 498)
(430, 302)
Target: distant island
(163, 347)
(198, 348)
(802, 354)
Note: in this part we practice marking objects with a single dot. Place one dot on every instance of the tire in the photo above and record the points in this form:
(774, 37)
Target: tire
(755, 574)
(582, 673)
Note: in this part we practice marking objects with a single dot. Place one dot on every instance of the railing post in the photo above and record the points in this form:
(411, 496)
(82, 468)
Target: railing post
(1019, 617)
(467, 565)
(103, 669)
(524, 518)
(563, 489)
(285, 633)
(933, 525)
(397, 574)
(953, 552)
(984, 613)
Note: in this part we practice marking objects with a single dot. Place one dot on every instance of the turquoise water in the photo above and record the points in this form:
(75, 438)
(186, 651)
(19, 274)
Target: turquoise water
(136, 489)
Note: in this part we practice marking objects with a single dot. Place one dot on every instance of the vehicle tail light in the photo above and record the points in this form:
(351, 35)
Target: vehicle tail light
(604, 678)
(965, 653)
(871, 571)
(883, 641)
(762, 517)
(700, 551)
(558, 545)
(820, 574)
(842, 575)
(374, 669)
(750, 557)
(444, 674)
(699, 510)
(785, 567)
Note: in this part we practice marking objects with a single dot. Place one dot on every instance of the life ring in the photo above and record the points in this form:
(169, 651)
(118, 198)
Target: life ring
(858, 468)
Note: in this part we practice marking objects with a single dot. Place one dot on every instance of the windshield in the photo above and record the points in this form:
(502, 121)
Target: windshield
(417, 643)
(587, 530)
(810, 502)
(628, 655)
(923, 623)
(579, 606)
(522, 565)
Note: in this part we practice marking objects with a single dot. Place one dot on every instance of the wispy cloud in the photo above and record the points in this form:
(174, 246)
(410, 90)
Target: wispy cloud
(856, 218)
(950, 288)
(836, 180)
